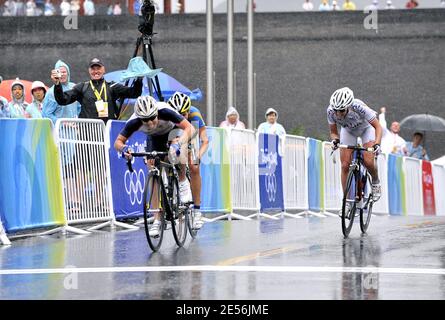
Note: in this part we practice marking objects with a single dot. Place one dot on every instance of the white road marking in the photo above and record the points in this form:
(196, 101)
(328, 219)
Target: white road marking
(210, 268)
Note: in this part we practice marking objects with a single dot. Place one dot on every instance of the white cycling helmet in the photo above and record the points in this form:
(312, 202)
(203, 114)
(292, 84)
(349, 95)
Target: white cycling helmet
(146, 107)
(342, 98)
(181, 102)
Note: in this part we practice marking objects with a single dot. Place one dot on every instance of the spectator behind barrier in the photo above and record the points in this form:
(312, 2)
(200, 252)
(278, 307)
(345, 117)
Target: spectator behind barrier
(373, 6)
(391, 141)
(411, 4)
(97, 97)
(49, 8)
(335, 6)
(4, 110)
(88, 8)
(308, 5)
(17, 106)
(414, 148)
(38, 92)
(232, 120)
(65, 8)
(271, 125)
(117, 10)
(324, 6)
(349, 6)
(389, 5)
(51, 108)
(10, 8)
(136, 7)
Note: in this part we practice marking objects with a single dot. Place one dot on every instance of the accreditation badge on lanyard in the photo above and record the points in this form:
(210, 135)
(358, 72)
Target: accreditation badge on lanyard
(101, 105)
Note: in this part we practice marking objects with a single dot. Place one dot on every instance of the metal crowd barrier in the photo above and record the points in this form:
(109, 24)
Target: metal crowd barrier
(84, 165)
(333, 191)
(295, 179)
(244, 172)
(413, 186)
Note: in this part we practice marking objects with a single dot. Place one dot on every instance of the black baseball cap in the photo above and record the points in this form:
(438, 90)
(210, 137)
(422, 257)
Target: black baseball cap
(96, 62)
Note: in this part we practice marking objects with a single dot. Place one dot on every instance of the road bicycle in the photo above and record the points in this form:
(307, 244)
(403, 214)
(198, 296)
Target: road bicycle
(358, 193)
(163, 177)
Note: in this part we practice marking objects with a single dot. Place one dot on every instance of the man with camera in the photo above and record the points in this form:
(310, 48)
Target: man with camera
(97, 97)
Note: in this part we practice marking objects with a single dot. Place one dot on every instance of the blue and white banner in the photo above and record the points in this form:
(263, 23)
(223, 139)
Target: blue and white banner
(127, 187)
(270, 172)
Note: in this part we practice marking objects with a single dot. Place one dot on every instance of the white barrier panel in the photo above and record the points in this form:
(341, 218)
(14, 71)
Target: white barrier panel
(244, 182)
(382, 206)
(413, 186)
(295, 183)
(85, 172)
(333, 191)
(439, 188)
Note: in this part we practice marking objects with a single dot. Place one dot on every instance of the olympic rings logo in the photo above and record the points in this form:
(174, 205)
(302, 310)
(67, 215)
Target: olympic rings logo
(271, 186)
(134, 185)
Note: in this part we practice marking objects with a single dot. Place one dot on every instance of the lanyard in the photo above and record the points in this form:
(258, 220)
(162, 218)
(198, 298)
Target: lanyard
(99, 94)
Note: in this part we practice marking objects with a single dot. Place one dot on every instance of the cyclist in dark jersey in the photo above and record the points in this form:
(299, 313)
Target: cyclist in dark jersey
(156, 119)
(200, 142)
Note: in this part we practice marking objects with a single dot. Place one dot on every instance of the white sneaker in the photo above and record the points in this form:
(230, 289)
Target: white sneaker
(376, 192)
(154, 230)
(197, 221)
(185, 193)
(347, 208)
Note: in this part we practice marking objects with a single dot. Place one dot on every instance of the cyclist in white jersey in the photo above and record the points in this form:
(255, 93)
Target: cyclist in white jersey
(356, 120)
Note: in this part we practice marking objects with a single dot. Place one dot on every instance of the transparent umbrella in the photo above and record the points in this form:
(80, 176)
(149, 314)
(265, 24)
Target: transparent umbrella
(423, 123)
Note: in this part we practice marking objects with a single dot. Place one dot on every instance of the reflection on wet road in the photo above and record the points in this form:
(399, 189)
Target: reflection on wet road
(400, 258)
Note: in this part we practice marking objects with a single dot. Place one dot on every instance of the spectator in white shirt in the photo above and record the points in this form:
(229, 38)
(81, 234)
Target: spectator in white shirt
(335, 6)
(308, 5)
(117, 10)
(65, 8)
(389, 5)
(391, 141)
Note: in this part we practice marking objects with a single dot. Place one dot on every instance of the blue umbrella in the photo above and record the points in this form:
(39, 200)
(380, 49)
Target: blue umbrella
(168, 84)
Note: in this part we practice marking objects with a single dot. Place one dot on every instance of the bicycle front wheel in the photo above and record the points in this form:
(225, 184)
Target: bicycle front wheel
(191, 222)
(349, 205)
(366, 211)
(153, 206)
(178, 217)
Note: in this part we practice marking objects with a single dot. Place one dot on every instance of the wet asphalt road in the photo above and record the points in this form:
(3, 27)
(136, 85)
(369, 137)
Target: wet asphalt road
(399, 258)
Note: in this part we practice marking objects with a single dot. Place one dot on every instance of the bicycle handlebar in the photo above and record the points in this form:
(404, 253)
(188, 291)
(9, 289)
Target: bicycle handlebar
(149, 155)
(345, 146)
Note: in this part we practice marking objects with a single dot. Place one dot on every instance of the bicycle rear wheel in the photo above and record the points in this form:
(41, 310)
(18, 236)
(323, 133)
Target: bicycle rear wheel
(366, 212)
(178, 216)
(349, 205)
(151, 207)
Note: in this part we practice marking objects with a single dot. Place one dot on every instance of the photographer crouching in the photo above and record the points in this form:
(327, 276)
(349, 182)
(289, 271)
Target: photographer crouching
(97, 97)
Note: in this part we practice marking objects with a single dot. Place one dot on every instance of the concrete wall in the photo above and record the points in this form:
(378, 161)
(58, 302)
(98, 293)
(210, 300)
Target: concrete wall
(300, 59)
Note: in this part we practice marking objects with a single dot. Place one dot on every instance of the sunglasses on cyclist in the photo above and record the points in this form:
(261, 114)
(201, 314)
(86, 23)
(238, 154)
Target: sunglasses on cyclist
(149, 119)
(340, 111)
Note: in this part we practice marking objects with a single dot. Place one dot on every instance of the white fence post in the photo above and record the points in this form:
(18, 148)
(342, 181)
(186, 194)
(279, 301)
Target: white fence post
(382, 206)
(439, 188)
(333, 191)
